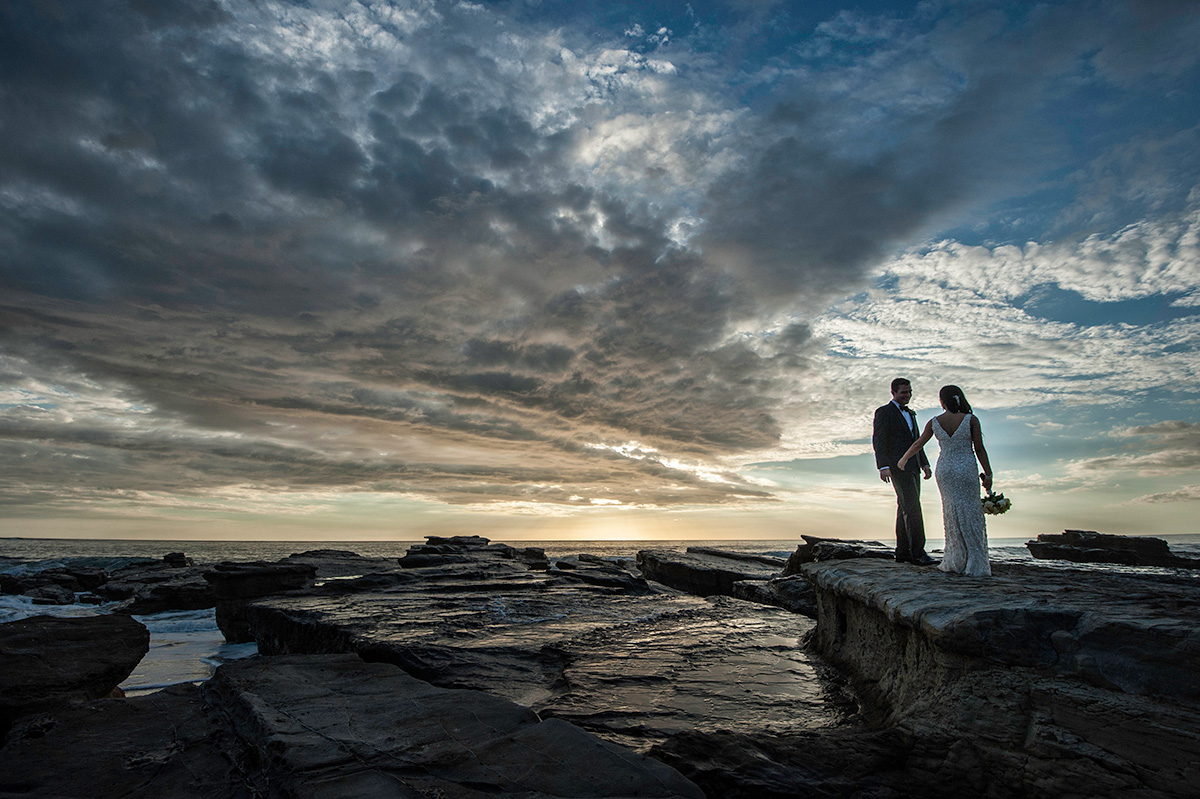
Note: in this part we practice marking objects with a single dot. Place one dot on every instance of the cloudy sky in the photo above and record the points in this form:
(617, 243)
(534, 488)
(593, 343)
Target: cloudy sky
(540, 269)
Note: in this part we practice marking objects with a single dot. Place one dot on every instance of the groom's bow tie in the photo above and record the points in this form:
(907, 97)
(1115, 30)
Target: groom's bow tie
(905, 408)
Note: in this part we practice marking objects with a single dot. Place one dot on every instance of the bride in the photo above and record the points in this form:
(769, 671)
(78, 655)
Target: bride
(962, 512)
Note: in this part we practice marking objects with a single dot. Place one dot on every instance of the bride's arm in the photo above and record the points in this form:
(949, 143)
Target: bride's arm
(916, 446)
(981, 452)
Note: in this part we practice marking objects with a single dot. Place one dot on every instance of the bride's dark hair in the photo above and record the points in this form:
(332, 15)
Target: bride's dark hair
(952, 397)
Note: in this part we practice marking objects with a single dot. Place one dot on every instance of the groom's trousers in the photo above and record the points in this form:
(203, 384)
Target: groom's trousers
(910, 525)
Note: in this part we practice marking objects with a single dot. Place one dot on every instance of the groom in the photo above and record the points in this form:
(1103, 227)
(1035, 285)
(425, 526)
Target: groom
(895, 431)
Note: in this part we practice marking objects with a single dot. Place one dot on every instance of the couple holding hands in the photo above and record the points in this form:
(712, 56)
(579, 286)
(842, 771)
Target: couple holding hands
(901, 460)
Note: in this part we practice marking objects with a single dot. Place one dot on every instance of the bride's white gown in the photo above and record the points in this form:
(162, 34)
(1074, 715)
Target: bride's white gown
(962, 512)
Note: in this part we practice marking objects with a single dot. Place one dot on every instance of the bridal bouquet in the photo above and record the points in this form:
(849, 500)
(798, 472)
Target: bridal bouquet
(994, 504)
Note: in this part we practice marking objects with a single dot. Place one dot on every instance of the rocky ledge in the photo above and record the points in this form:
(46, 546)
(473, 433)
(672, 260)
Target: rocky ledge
(1035, 682)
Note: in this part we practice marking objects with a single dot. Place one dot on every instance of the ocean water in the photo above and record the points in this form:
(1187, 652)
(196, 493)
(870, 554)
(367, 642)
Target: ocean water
(42, 553)
(186, 646)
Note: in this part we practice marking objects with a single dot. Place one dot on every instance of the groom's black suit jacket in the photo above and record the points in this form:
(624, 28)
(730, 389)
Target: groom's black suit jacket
(892, 437)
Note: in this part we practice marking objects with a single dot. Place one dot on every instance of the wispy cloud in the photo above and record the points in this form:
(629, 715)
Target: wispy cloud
(1186, 494)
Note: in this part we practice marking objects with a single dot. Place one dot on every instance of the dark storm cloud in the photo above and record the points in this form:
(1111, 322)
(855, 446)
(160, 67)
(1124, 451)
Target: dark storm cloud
(832, 187)
(364, 249)
(819, 220)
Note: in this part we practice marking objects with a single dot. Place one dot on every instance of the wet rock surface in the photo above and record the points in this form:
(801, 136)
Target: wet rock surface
(71, 580)
(1088, 546)
(50, 595)
(47, 662)
(616, 656)
(156, 587)
(406, 736)
(321, 726)
(1035, 682)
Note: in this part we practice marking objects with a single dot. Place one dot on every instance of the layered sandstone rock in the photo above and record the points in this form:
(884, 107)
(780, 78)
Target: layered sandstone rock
(157, 587)
(442, 551)
(235, 584)
(359, 729)
(792, 593)
(1038, 682)
(1035, 682)
(70, 579)
(705, 572)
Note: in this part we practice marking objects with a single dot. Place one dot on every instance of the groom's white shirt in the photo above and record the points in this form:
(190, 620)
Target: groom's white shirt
(910, 418)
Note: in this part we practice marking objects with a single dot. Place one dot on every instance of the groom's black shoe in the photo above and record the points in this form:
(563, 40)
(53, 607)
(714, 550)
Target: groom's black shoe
(923, 560)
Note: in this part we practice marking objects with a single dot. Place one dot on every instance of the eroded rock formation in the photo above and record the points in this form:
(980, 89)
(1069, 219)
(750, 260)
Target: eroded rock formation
(140, 586)
(792, 593)
(441, 551)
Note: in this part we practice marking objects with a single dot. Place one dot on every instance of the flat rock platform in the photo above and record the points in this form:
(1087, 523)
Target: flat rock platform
(634, 668)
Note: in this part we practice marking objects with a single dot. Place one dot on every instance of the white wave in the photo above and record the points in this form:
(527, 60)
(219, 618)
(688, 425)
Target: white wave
(180, 621)
(16, 607)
